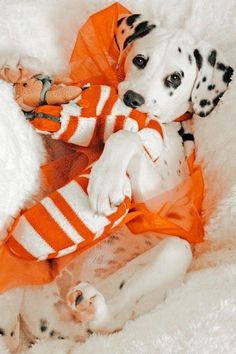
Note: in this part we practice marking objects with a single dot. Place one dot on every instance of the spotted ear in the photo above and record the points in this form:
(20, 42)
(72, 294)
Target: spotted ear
(213, 78)
(131, 28)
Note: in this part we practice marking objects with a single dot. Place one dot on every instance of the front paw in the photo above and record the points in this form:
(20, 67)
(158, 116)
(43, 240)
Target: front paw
(108, 187)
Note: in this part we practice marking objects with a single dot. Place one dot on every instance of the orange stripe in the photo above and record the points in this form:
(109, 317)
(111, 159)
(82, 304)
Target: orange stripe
(96, 133)
(49, 109)
(47, 228)
(92, 96)
(155, 125)
(103, 121)
(70, 129)
(109, 103)
(18, 249)
(139, 117)
(71, 216)
(119, 124)
(185, 116)
(83, 182)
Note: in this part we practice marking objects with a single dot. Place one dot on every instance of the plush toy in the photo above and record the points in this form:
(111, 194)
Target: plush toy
(32, 90)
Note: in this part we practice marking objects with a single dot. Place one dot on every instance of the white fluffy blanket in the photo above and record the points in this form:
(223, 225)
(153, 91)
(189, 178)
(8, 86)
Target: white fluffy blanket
(199, 316)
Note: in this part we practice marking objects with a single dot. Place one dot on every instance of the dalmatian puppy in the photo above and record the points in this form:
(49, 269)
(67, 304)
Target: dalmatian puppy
(167, 74)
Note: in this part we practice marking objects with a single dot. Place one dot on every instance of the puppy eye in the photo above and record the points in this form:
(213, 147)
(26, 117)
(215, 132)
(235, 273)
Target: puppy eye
(173, 80)
(140, 61)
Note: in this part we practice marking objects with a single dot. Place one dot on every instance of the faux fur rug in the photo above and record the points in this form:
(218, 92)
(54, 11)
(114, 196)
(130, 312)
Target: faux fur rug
(199, 316)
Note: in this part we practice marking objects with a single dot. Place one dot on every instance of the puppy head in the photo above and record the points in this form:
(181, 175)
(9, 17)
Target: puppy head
(163, 70)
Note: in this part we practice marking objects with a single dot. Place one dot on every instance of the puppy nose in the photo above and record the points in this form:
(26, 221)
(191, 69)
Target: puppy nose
(133, 99)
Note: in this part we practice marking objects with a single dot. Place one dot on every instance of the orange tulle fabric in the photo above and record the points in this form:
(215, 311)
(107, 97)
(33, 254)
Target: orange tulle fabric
(94, 59)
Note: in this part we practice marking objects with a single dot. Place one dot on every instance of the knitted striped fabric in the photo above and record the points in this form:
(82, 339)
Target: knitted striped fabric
(63, 221)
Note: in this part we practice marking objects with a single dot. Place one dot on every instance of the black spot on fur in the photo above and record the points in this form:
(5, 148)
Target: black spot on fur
(187, 137)
(190, 99)
(171, 93)
(179, 50)
(211, 87)
(181, 132)
(60, 337)
(212, 58)
(165, 162)
(89, 331)
(182, 73)
(12, 334)
(227, 77)
(2, 332)
(204, 103)
(43, 325)
(122, 284)
(190, 58)
(52, 333)
(204, 79)
(123, 31)
(221, 66)
(215, 101)
(202, 114)
(131, 19)
(141, 30)
(198, 85)
(198, 58)
(120, 21)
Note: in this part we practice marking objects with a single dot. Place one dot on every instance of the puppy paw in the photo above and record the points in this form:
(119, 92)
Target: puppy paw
(108, 187)
(88, 304)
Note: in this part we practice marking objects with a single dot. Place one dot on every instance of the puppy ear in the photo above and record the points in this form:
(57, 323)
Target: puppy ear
(131, 28)
(213, 78)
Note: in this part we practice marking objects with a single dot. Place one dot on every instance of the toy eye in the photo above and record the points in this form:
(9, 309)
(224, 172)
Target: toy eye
(173, 80)
(140, 61)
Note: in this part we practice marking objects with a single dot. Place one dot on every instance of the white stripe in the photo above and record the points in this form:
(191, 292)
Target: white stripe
(28, 237)
(120, 108)
(67, 250)
(67, 111)
(84, 132)
(104, 95)
(61, 220)
(109, 126)
(131, 125)
(79, 202)
(117, 222)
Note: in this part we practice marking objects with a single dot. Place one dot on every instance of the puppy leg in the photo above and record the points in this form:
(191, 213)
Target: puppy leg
(123, 154)
(158, 270)
(108, 184)
(10, 305)
(145, 179)
(143, 283)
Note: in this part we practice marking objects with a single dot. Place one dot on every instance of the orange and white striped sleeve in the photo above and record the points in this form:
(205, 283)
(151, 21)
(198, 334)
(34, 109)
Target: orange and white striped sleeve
(97, 114)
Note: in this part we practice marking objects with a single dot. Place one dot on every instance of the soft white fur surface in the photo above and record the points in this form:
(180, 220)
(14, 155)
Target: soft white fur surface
(198, 317)
(21, 153)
